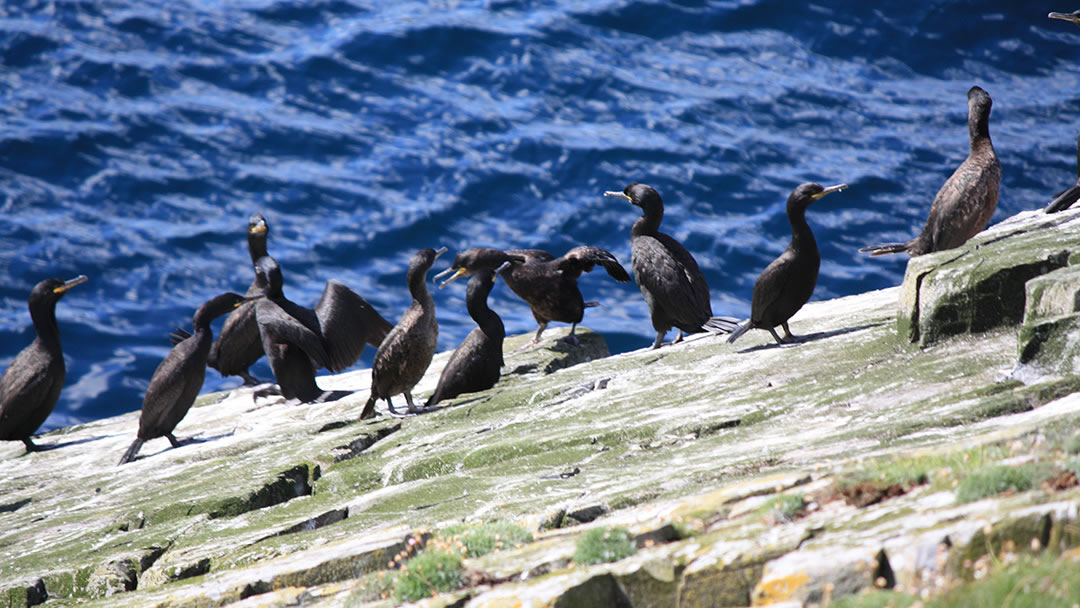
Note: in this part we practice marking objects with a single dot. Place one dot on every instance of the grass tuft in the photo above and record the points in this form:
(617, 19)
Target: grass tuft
(476, 541)
(430, 572)
(602, 545)
(995, 480)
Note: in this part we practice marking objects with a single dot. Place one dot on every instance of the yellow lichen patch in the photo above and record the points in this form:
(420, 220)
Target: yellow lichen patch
(778, 589)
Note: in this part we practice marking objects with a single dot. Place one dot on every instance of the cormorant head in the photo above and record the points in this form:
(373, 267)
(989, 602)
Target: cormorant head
(805, 194)
(217, 306)
(474, 260)
(421, 262)
(1073, 16)
(51, 290)
(257, 224)
(979, 104)
(268, 274)
(642, 196)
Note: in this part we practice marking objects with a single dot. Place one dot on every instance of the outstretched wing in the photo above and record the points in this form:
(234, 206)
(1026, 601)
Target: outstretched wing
(582, 259)
(347, 323)
(280, 327)
(238, 345)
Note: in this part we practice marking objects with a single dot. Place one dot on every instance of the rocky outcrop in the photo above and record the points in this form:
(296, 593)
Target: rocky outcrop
(751, 474)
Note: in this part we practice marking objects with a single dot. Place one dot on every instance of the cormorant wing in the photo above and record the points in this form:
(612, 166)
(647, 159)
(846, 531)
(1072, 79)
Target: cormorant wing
(178, 335)
(347, 322)
(284, 327)
(238, 345)
(532, 255)
(771, 285)
(167, 387)
(582, 259)
(664, 268)
(25, 384)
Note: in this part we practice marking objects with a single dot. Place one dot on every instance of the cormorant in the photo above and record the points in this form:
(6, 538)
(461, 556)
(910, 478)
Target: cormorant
(299, 340)
(1070, 195)
(238, 346)
(549, 285)
(405, 354)
(31, 385)
(965, 203)
(476, 363)
(179, 377)
(668, 276)
(1073, 16)
(788, 282)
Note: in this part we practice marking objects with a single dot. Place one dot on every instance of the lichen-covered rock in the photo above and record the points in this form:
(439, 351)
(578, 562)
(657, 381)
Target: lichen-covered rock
(1049, 338)
(980, 285)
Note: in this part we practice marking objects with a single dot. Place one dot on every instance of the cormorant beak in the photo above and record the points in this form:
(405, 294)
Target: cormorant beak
(79, 280)
(442, 274)
(502, 267)
(1074, 16)
(439, 251)
(257, 228)
(460, 273)
(237, 305)
(828, 190)
(619, 194)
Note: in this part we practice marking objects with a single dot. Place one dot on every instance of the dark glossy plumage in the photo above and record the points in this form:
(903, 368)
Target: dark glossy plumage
(788, 282)
(239, 346)
(549, 285)
(31, 385)
(179, 377)
(964, 204)
(406, 353)
(668, 276)
(477, 361)
(299, 340)
(1069, 196)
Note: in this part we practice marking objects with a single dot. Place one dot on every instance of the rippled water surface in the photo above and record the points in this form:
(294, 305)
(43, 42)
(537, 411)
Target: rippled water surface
(137, 137)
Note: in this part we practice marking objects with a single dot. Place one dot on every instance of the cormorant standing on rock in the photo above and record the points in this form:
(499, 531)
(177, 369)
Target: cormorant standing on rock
(965, 203)
(549, 285)
(1073, 16)
(669, 277)
(788, 282)
(31, 385)
(299, 340)
(1069, 196)
(238, 346)
(476, 363)
(406, 353)
(179, 377)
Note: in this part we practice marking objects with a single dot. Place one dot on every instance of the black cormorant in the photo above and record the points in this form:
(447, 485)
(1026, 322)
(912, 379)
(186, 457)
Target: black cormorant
(1069, 196)
(31, 385)
(549, 285)
(476, 363)
(179, 377)
(788, 282)
(299, 340)
(405, 354)
(965, 203)
(238, 346)
(668, 276)
(1073, 16)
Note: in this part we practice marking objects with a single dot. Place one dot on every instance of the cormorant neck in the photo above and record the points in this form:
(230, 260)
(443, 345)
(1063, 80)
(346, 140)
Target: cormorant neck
(802, 239)
(44, 319)
(418, 289)
(979, 127)
(649, 223)
(257, 246)
(476, 303)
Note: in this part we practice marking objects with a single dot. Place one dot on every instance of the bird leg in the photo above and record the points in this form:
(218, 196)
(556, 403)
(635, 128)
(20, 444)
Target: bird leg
(788, 336)
(776, 336)
(572, 339)
(250, 380)
(412, 406)
(172, 440)
(678, 338)
(659, 339)
(539, 330)
(30, 445)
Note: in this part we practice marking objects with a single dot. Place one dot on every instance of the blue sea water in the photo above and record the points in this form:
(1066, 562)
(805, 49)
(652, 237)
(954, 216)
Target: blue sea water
(137, 136)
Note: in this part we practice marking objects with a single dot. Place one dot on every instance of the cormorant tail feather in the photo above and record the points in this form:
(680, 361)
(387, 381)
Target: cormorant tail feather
(740, 329)
(129, 455)
(885, 248)
(720, 325)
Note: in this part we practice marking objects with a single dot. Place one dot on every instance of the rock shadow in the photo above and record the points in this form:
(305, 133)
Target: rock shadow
(803, 339)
